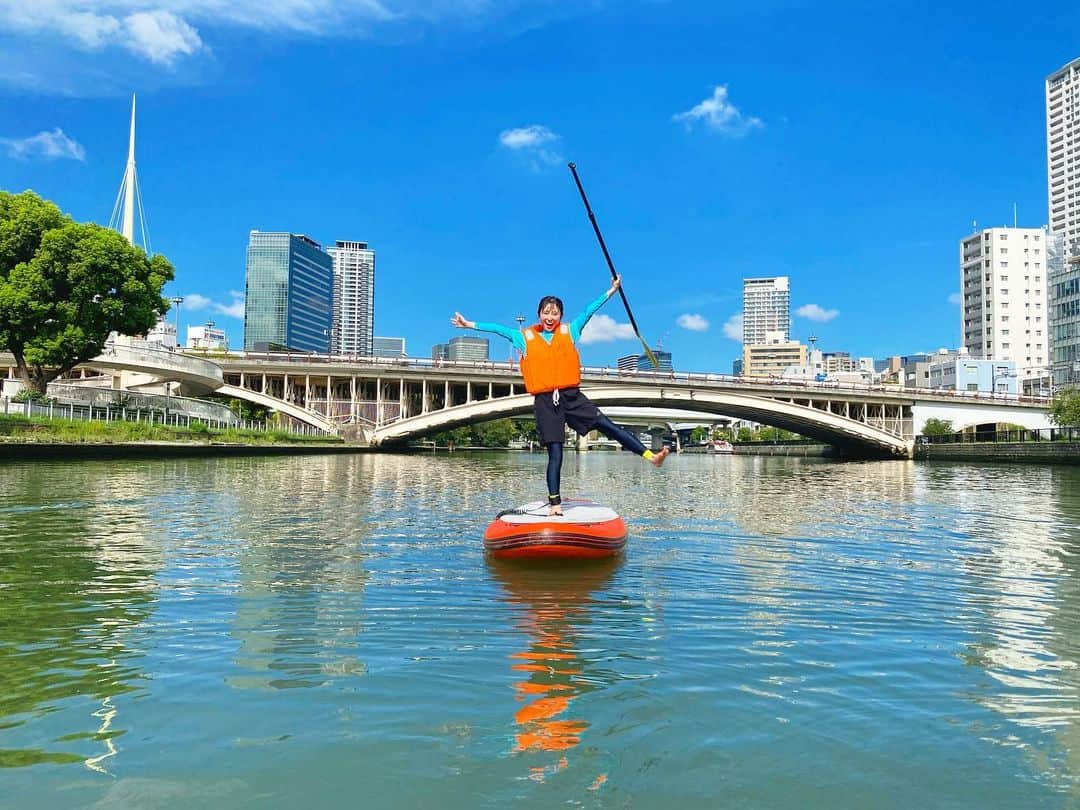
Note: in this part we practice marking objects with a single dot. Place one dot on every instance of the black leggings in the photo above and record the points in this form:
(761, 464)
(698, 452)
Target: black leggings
(555, 453)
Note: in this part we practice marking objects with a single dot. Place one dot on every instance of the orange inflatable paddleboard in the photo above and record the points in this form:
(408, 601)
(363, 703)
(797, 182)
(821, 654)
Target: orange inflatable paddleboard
(585, 530)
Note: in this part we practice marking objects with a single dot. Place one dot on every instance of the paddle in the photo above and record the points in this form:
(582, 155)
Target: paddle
(611, 266)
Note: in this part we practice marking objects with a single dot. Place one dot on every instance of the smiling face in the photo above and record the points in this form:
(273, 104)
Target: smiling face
(550, 313)
(550, 317)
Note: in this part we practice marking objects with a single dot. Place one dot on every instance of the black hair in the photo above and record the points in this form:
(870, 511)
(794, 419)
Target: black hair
(549, 299)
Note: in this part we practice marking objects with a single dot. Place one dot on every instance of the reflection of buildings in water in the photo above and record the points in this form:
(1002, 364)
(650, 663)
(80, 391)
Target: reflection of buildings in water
(776, 496)
(553, 670)
(77, 574)
(763, 495)
(1022, 529)
(299, 572)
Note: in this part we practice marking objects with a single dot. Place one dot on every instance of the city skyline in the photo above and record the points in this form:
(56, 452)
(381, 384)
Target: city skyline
(721, 168)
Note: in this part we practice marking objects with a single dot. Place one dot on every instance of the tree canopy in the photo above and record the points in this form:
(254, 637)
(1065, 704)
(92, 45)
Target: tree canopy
(65, 286)
(938, 427)
(1065, 409)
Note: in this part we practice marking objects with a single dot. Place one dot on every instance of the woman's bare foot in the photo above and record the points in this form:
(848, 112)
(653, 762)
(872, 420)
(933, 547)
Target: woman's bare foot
(658, 458)
(555, 510)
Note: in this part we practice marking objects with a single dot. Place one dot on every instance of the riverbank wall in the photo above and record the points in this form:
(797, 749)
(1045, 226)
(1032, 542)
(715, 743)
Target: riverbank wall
(1018, 452)
(89, 451)
(800, 450)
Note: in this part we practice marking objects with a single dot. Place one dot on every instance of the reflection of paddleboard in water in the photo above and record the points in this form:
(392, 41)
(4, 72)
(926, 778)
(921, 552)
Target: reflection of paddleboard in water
(585, 530)
(559, 662)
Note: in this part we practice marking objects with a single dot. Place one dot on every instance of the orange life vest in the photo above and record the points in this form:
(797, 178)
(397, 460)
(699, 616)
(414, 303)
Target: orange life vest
(547, 366)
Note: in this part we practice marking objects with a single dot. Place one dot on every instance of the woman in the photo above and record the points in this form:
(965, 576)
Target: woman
(551, 366)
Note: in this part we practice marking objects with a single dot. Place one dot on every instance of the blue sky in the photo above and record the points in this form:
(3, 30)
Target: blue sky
(848, 145)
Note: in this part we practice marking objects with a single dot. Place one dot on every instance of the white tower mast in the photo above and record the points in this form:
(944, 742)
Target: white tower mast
(128, 228)
(129, 196)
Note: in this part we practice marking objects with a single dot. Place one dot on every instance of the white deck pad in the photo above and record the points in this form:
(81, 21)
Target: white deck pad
(574, 511)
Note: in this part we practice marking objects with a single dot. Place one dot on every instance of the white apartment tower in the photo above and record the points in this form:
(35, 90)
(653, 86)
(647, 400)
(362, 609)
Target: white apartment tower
(354, 299)
(1063, 152)
(1063, 182)
(766, 311)
(1003, 274)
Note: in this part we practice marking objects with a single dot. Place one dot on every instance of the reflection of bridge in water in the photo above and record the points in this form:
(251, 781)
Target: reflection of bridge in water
(386, 402)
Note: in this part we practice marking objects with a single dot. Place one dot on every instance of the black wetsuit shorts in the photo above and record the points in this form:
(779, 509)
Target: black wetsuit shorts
(573, 408)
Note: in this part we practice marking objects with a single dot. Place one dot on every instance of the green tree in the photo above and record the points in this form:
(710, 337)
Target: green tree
(526, 429)
(745, 435)
(1065, 409)
(699, 434)
(769, 433)
(938, 427)
(64, 286)
(496, 433)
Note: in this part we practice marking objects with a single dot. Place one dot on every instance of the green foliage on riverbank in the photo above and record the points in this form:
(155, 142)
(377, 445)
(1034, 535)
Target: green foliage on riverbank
(1065, 409)
(67, 431)
(496, 433)
(938, 427)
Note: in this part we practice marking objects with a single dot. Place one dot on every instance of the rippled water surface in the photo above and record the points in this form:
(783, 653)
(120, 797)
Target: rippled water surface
(326, 631)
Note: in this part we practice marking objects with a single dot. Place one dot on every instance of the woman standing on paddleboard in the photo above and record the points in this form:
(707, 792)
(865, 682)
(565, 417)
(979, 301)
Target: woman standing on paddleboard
(552, 369)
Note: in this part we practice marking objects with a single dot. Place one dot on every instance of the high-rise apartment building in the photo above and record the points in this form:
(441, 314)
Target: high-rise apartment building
(289, 293)
(1063, 152)
(1003, 276)
(1063, 184)
(766, 310)
(354, 298)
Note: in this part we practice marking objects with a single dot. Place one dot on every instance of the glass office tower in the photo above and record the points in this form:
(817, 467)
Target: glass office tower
(289, 294)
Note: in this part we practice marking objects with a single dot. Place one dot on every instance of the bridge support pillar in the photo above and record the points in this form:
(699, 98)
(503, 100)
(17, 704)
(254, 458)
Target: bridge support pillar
(583, 443)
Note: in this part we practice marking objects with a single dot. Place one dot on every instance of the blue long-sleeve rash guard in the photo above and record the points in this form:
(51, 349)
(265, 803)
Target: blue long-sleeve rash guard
(516, 336)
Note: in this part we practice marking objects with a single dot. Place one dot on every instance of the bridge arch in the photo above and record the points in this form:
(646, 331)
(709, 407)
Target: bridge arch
(853, 437)
(287, 408)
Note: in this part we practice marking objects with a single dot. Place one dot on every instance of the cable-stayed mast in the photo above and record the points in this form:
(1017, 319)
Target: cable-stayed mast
(129, 197)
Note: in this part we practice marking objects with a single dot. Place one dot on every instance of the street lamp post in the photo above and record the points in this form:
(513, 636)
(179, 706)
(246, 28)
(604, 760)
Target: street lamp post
(177, 301)
(520, 320)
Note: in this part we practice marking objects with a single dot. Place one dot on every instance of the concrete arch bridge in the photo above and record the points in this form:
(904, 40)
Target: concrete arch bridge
(388, 402)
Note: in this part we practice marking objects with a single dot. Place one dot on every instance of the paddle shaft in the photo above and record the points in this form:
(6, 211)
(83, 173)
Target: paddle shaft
(611, 265)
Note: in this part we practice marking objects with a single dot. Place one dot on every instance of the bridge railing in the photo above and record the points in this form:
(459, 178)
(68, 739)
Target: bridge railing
(1061, 434)
(133, 350)
(510, 369)
(102, 397)
(118, 413)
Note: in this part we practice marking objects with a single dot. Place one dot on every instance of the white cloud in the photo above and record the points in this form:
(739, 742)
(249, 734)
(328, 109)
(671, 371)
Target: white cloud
(160, 36)
(812, 312)
(720, 115)
(153, 31)
(693, 322)
(48, 145)
(956, 298)
(605, 329)
(194, 302)
(165, 31)
(733, 327)
(537, 143)
(526, 137)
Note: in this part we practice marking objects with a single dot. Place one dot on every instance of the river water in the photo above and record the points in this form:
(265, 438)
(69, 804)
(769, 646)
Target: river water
(326, 631)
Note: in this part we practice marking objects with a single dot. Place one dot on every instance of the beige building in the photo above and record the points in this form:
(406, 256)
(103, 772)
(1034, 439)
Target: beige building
(771, 359)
